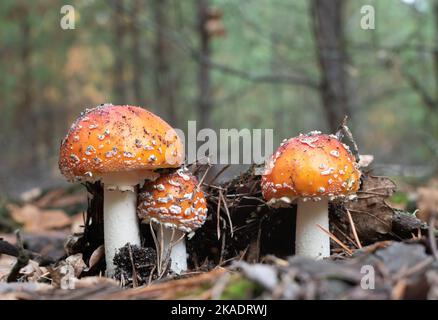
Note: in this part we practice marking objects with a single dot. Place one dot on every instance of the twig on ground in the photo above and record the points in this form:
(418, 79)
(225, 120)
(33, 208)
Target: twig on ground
(219, 173)
(344, 130)
(339, 242)
(22, 260)
(221, 259)
(198, 186)
(221, 195)
(7, 248)
(157, 247)
(11, 250)
(353, 229)
(134, 271)
(346, 236)
(218, 215)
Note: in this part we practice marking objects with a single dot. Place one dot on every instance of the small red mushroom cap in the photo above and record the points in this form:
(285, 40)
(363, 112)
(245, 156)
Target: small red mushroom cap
(310, 166)
(109, 139)
(173, 200)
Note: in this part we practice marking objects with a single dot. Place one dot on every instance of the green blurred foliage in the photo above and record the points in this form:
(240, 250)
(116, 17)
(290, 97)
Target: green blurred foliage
(240, 288)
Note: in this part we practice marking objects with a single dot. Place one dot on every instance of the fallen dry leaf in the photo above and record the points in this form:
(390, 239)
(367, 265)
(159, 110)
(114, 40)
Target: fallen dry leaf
(34, 219)
(49, 197)
(427, 202)
(89, 282)
(31, 194)
(66, 274)
(77, 225)
(54, 219)
(77, 263)
(70, 200)
(97, 255)
(33, 271)
(6, 264)
(371, 213)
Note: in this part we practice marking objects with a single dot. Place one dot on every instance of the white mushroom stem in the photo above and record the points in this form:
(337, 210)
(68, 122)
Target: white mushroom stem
(175, 241)
(310, 240)
(120, 223)
(120, 211)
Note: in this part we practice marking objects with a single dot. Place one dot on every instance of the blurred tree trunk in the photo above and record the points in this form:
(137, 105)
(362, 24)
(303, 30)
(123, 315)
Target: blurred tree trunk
(26, 53)
(204, 81)
(327, 20)
(118, 45)
(24, 112)
(164, 88)
(137, 59)
(431, 121)
(435, 52)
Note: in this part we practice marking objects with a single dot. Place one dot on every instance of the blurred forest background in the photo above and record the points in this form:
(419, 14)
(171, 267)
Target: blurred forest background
(294, 66)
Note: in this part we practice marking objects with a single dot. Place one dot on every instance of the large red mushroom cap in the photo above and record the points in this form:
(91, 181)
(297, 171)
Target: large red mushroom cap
(173, 200)
(310, 166)
(112, 139)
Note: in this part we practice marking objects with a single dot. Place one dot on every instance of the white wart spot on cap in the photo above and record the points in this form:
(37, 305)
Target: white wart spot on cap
(90, 150)
(327, 172)
(183, 175)
(75, 158)
(175, 209)
(174, 183)
(309, 141)
(334, 153)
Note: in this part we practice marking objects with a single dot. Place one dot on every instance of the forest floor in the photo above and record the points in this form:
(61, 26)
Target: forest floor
(244, 250)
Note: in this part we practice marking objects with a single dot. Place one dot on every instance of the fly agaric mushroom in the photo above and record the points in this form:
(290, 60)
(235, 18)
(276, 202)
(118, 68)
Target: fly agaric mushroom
(120, 146)
(175, 205)
(310, 169)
